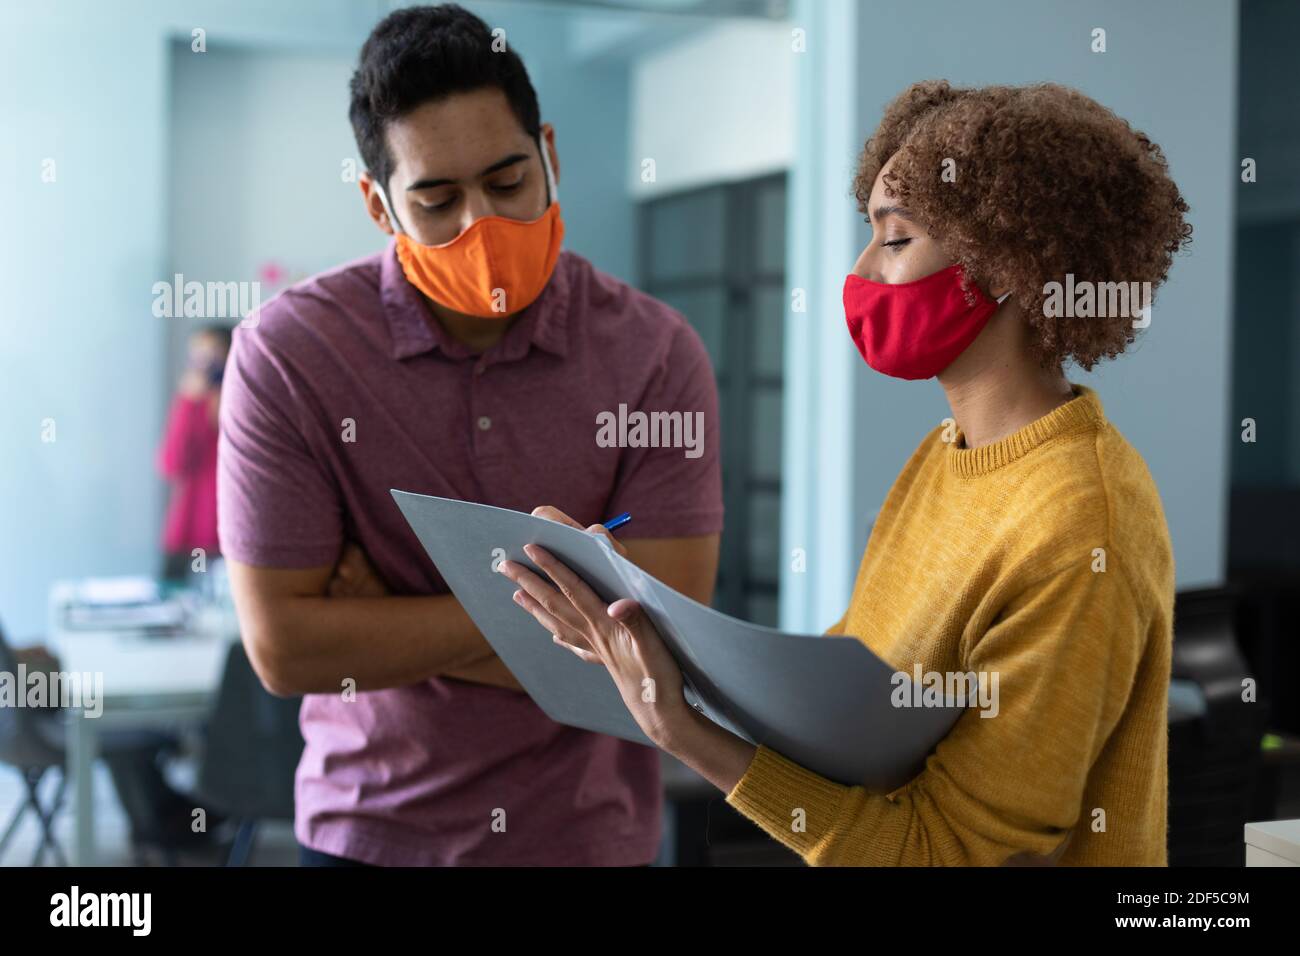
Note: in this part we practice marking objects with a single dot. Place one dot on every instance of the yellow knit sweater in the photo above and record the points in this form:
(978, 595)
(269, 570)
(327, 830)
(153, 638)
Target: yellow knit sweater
(1043, 558)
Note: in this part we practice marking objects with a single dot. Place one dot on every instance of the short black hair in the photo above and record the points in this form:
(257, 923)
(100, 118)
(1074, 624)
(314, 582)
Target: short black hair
(426, 53)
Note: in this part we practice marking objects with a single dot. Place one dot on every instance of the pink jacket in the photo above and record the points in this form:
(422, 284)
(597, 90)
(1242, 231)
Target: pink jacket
(188, 457)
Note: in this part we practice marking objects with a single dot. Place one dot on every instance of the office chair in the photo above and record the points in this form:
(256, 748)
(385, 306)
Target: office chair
(252, 751)
(1214, 749)
(30, 742)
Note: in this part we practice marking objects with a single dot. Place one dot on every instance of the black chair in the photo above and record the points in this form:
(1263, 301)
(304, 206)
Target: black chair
(252, 751)
(31, 742)
(1214, 753)
(1270, 608)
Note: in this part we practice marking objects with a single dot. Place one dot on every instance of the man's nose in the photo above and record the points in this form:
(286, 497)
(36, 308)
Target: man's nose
(477, 205)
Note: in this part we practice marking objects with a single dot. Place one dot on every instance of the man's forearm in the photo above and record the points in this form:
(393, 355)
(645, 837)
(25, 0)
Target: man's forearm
(490, 670)
(303, 642)
(312, 645)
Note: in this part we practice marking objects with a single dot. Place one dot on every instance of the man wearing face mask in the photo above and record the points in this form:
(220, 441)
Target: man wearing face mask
(470, 359)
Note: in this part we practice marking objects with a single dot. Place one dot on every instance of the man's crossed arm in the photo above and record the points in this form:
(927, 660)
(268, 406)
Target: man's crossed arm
(308, 630)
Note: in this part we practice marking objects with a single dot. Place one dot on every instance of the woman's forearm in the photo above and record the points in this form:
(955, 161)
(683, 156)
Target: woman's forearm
(717, 755)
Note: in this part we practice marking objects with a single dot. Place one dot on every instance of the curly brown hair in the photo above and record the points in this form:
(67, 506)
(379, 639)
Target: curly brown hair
(1047, 182)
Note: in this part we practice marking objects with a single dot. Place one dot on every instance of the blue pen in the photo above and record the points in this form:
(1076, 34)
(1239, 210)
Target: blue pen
(618, 522)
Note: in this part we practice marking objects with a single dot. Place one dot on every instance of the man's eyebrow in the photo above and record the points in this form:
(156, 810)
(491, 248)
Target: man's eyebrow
(883, 211)
(499, 165)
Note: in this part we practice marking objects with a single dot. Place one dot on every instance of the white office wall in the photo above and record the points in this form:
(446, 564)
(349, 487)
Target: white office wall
(819, 521)
(715, 107)
(257, 172)
(84, 87)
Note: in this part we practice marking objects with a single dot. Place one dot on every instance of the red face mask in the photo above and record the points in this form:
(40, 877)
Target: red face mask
(914, 330)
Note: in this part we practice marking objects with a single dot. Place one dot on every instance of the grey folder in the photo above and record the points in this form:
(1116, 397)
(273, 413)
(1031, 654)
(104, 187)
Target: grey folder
(822, 701)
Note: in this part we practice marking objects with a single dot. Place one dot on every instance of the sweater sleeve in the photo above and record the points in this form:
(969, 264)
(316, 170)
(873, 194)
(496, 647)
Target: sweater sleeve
(1064, 652)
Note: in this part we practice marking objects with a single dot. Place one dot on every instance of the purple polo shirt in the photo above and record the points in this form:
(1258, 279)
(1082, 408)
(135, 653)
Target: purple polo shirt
(416, 775)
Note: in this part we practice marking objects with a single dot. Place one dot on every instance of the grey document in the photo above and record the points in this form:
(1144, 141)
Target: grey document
(825, 702)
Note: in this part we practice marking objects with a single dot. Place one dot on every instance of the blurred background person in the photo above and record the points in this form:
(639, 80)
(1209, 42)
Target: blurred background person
(187, 457)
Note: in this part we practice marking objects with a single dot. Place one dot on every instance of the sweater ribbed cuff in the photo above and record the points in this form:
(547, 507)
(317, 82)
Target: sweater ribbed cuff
(773, 789)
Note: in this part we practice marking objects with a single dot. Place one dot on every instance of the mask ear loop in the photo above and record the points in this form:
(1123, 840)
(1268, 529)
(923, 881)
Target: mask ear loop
(388, 210)
(553, 191)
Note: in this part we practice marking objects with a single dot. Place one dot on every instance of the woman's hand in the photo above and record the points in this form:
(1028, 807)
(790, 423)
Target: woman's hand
(551, 513)
(619, 636)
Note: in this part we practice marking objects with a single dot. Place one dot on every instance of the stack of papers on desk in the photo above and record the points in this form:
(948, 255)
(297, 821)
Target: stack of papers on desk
(126, 603)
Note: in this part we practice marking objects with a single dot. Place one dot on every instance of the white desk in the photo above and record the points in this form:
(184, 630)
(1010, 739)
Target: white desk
(148, 682)
(1273, 843)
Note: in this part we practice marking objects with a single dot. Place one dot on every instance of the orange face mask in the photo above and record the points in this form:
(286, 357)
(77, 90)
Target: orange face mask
(493, 269)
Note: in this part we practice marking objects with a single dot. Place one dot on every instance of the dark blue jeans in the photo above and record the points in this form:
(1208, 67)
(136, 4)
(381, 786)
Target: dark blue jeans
(309, 857)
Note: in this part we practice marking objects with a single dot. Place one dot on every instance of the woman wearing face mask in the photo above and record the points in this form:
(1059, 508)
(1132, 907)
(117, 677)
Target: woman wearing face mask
(1024, 540)
(188, 454)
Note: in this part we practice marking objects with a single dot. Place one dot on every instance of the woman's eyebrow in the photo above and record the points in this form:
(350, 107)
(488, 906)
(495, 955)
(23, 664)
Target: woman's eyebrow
(899, 211)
